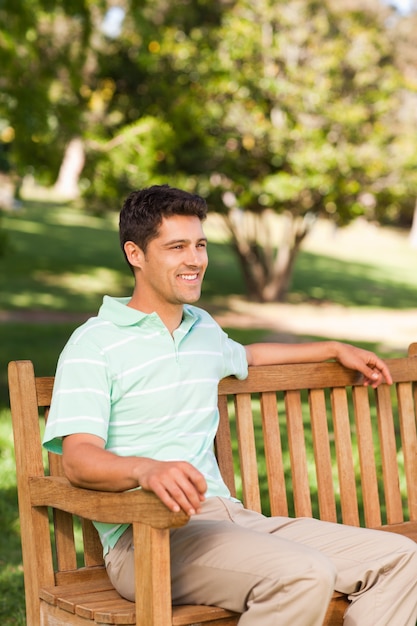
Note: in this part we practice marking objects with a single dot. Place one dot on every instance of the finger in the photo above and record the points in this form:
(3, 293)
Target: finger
(380, 368)
(377, 377)
(386, 374)
(197, 479)
(177, 492)
(188, 490)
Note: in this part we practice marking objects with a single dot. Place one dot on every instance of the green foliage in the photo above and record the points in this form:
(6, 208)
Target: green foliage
(294, 106)
(44, 46)
(290, 106)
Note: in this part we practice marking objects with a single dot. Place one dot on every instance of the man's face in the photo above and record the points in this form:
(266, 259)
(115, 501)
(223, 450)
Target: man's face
(175, 262)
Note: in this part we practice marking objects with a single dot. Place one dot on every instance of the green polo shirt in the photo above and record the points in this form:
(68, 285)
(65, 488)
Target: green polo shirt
(124, 378)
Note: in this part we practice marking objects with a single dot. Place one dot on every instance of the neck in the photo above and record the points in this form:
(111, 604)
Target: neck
(170, 314)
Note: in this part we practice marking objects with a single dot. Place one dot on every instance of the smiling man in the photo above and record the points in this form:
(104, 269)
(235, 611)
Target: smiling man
(135, 406)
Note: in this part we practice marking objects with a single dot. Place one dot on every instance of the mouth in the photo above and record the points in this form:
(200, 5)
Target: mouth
(189, 277)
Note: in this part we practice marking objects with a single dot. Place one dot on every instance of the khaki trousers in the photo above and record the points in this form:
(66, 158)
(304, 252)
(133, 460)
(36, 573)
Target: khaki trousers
(278, 571)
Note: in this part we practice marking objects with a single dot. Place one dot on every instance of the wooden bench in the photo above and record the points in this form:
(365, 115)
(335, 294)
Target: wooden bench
(304, 440)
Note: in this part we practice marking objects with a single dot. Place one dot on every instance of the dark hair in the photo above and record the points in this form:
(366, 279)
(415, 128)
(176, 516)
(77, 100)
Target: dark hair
(143, 211)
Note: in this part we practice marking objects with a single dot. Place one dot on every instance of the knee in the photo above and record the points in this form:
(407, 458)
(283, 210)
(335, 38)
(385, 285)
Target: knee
(409, 549)
(323, 574)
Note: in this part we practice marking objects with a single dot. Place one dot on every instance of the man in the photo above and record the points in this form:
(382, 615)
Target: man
(135, 405)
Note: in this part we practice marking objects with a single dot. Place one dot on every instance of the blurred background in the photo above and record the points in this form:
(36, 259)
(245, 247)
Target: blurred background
(295, 119)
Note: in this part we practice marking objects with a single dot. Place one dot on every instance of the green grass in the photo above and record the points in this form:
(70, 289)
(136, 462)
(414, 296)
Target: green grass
(11, 573)
(60, 260)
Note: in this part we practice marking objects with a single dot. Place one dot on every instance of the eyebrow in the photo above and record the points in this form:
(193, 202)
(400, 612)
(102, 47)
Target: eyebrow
(186, 241)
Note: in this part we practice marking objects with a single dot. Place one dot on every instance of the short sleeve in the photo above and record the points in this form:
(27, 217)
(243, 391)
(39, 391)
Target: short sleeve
(81, 396)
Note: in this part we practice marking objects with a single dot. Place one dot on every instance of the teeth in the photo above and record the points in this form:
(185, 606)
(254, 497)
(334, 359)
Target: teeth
(189, 277)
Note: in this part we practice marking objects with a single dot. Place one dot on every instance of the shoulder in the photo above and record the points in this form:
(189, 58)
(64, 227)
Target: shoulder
(93, 331)
(201, 316)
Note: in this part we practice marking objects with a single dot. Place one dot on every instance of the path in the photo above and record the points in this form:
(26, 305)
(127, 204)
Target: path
(391, 329)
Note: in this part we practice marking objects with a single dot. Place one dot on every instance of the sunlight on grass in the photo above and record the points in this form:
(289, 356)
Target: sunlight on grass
(27, 226)
(27, 300)
(91, 282)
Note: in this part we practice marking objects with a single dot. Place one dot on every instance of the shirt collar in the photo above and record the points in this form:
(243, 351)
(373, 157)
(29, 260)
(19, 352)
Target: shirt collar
(115, 310)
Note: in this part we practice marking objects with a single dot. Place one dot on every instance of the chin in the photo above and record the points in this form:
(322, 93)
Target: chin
(191, 299)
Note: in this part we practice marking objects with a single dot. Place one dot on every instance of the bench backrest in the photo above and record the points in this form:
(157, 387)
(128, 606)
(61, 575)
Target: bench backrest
(293, 439)
(311, 440)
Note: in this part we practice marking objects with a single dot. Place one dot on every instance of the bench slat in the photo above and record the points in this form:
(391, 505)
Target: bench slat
(409, 442)
(343, 441)
(298, 455)
(322, 455)
(365, 438)
(273, 454)
(247, 452)
(393, 500)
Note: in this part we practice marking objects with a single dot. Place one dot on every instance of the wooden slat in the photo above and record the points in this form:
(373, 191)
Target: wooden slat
(223, 446)
(409, 443)
(247, 452)
(371, 504)
(34, 523)
(321, 446)
(44, 387)
(153, 591)
(336, 611)
(93, 550)
(393, 500)
(412, 349)
(64, 540)
(67, 592)
(53, 616)
(85, 602)
(111, 611)
(319, 376)
(273, 454)
(408, 529)
(105, 506)
(83, 575)
(290, 377)
(298, 456)
(187, 615)
(347, 483)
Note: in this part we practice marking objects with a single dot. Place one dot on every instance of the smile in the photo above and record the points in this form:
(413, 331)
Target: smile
(189, 276)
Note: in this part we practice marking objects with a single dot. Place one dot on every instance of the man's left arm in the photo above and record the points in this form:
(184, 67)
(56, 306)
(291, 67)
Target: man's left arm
(374, 370)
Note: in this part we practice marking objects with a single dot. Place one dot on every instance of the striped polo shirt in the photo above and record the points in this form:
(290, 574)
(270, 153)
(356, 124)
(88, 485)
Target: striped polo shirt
(124, 378)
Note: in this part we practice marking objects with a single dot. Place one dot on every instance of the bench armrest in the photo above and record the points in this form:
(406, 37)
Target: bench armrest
(125, 507)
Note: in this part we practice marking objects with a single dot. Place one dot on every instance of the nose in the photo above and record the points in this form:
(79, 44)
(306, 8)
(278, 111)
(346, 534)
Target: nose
(196, 256)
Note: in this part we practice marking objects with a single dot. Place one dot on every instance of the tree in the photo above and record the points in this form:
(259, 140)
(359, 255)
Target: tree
(268, 107)
(47, 54)
(264, 107)
(306, 97)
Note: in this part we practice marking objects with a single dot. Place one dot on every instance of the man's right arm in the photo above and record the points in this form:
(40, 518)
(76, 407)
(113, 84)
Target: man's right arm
(87, 464)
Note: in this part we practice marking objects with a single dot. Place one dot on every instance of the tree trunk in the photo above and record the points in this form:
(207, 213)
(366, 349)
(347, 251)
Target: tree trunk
(71, 167)
(267, 268)
(413, 231)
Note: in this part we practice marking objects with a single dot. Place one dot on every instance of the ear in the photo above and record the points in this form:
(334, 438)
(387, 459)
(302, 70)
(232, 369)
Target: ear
(134, 254)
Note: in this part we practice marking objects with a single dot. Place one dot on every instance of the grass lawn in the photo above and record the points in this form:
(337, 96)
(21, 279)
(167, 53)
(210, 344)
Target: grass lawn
(62, 261)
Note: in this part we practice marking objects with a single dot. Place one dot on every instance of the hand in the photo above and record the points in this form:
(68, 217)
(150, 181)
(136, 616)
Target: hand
(374, 370)
(177, 483)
